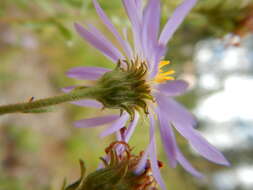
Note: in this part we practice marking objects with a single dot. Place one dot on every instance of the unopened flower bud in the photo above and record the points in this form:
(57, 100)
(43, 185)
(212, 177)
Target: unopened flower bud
(118, 172)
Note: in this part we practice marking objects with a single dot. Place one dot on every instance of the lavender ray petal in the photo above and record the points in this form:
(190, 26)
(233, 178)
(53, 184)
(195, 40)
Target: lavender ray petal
(139, 7)
(101, 36)
(173, 88)
(103, 46)
(87, 73)
(155, 169)
(175, 20)
(206, 149)
(187, 165)
(125, 37)
(128, 133)
(88, 103)
(175, 111)
(120, 137)
(142, 163)
(184, 127)
(151, 23)
(168, 138)
(131, 127)
(132, 12)
(111, 27)
(200, 144)
(68, 89)
(93, 122)
(134, 17)
(117, 125)
(158, 54)
(152, 154)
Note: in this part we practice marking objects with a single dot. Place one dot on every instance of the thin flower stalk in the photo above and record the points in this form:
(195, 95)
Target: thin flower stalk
(42, 105)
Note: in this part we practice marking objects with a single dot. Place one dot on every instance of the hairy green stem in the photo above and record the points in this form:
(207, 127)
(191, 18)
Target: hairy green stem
(76, 94)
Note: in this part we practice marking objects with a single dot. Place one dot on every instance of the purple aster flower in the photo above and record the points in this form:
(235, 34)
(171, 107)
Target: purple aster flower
(147, 51)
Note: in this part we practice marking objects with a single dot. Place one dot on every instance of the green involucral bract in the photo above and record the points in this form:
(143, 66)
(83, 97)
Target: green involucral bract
(125, 88)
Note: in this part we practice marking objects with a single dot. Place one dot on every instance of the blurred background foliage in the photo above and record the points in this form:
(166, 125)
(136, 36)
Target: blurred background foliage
(38, 45)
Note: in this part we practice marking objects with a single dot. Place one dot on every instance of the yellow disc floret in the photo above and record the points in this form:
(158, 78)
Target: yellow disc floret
(163, 76)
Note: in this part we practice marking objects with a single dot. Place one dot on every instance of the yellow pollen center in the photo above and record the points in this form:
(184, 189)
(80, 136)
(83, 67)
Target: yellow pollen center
(163, 76)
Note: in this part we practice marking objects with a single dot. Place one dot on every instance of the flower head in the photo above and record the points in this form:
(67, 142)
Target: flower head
(157, 86)
(117, 173)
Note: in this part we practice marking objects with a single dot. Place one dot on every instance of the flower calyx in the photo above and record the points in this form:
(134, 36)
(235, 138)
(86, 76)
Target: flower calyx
(125, 87)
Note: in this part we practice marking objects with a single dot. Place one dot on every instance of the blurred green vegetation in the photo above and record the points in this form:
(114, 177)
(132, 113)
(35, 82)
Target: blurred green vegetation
(39, 34)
